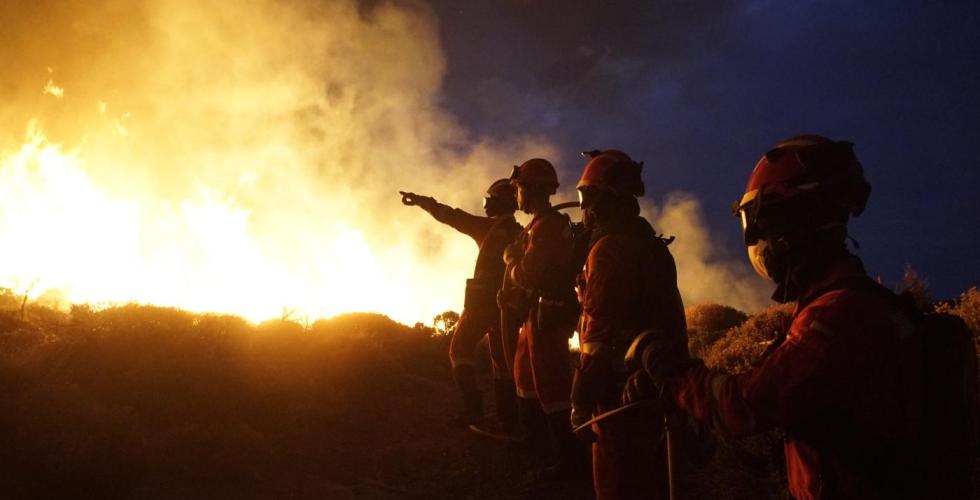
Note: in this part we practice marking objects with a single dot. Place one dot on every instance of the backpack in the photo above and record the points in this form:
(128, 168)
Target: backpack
(950, 406)
(951, 400)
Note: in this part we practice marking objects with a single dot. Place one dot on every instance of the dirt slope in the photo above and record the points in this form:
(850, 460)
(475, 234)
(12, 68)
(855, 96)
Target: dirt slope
(141, 402)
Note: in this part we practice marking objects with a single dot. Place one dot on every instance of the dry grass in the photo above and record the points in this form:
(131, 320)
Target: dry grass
(707, 323)
(148, 402)
(136, 402)
(741, 346)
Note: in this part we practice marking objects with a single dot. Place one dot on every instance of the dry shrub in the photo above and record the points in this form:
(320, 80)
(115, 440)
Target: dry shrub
(710, 317)
(707, 323)
(918, 288)
(9, 301)
(750, 467)
(967, 307)
(741, 346)
(132, 400)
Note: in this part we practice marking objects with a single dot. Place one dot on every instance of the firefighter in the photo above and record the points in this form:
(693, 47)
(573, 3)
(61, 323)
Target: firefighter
(628, 285)
(540, 284)
(845, 382)
(480, 316)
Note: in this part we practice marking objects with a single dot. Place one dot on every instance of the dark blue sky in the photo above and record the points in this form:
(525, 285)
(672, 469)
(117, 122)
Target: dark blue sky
(699, 90)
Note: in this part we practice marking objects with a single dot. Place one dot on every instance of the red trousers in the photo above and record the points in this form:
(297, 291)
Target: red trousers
(541, 367)
(629, 458)
(473, 325)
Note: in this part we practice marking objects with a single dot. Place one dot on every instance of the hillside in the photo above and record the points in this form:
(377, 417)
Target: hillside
(146, 402)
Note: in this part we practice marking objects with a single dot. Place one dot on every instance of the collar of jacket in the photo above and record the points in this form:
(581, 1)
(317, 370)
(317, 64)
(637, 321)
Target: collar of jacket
(637, 227)
(845, 267)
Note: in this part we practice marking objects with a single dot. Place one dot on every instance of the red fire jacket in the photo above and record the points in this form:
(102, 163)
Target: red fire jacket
(629, 285)
(547, 253)
(845, 386)
(491, 234)
(541, 368)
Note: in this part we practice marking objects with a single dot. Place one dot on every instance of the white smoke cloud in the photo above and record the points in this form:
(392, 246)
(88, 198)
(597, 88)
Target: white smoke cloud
(704, 273)
(246, 156)
(258, 147)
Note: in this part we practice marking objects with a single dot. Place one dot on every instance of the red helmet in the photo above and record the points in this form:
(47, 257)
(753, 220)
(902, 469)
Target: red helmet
(501, 188)
(614, 170)
(810, 165)
(501, 198)
(536, 172)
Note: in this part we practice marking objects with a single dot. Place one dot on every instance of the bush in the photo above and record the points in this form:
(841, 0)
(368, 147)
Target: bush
(707, 323)
(967, 306)
(119, 401)
(711, 317)
(918, 288)
(741, 346)
(445, 323)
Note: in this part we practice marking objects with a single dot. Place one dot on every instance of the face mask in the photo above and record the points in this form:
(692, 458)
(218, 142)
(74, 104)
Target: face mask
(597, 206)
(494, 206)
(770, 259)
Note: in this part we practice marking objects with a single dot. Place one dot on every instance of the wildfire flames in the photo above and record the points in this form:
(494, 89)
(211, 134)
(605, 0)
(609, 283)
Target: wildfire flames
(68, 240)
(230, 158)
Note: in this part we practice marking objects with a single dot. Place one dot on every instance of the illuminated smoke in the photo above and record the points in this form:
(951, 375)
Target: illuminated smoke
(704, 273)
(245, 157)
(235, 156)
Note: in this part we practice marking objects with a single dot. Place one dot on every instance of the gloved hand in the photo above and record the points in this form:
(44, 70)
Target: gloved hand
(655, 357)
(660, 353)
(639, 387)
(426, 203)
(579, 417)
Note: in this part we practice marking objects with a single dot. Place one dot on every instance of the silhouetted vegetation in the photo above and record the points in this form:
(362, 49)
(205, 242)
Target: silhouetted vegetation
(150, 402)
(708, 323)
(445, 323)
(967, 306)
(741, 346)
(916, 286)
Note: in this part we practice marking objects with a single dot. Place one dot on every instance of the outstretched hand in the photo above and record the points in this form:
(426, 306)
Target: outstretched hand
(412, 199)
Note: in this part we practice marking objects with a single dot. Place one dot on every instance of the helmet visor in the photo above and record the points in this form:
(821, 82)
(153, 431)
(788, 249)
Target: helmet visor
(588, 196)
(751, 232)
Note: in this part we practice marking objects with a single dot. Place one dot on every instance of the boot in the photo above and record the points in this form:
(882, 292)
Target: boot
(504, 427)
(505, 397)
(472, 398)
(535, 427)
(573, 457)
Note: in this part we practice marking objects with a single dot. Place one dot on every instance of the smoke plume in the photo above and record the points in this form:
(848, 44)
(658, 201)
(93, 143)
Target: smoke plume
(245, 157)
(705, 273)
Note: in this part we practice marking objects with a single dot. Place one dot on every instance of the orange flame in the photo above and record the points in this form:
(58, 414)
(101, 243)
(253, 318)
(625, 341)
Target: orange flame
(69, 240)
